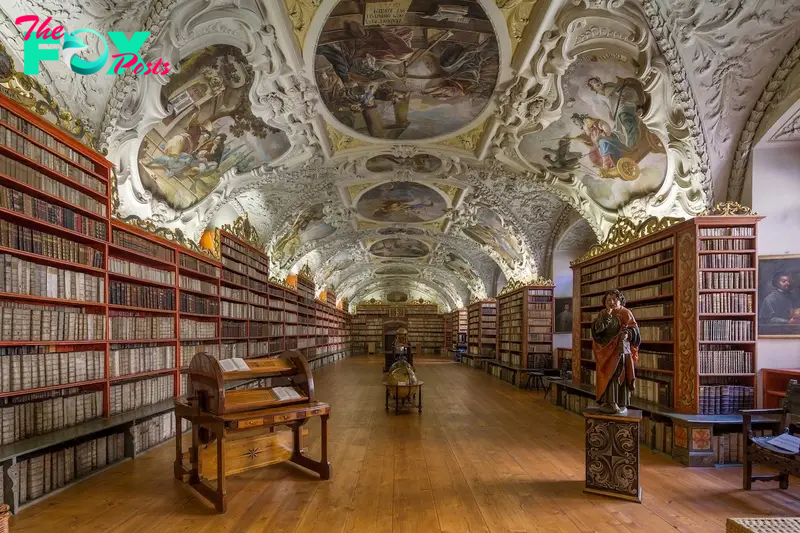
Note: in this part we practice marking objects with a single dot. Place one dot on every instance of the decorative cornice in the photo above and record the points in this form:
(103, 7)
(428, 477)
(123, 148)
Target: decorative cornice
(29, 93)
(342, 141)
(244, 230)
(743, 149)
(515, 284)
(173, 235)
(683, 92)
(625, 231)
(305, 273)
(730, 208)
(517, 13)
(466, 141)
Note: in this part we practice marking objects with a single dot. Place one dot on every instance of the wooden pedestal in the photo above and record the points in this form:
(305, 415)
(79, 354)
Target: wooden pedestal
(612, 454)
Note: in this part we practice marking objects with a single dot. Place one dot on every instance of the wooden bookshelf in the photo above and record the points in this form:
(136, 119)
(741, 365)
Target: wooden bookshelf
(427, 331)
(458, 328)
(448, 328)
(525, 320)
(482, 328)
(691, 286)
(774, 382)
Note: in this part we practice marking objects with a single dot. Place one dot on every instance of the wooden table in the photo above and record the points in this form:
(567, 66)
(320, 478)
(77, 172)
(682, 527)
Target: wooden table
(414, 390)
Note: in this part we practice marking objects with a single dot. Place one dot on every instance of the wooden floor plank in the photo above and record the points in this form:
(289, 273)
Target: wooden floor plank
(483, 457)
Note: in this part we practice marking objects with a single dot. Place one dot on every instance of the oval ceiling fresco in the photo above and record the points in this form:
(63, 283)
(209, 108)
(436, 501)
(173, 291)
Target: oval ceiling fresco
(420, 163)
(399, 247)
(408, 69)
(601, 138)
(401, 201)
(210, 129)
(396, 296)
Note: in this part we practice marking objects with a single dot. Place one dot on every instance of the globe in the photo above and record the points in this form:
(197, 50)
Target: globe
(401, 373)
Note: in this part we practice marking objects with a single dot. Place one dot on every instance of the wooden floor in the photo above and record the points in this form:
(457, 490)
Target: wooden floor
(483, 457)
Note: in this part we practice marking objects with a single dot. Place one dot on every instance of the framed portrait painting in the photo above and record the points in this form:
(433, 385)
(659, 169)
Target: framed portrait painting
(563, 315)
(779, 296)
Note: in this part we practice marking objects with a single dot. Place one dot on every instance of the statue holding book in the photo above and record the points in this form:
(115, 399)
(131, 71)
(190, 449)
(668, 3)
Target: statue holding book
(615, 344)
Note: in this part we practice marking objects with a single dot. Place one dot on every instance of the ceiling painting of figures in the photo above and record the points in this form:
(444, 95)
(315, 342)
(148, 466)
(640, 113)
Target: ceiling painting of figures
(397, 271)
(420, 163)
(601, 138)
(490, 232)
(308, 226)
(407, 69)
(401, 201)
(399, 247)
(209, 131)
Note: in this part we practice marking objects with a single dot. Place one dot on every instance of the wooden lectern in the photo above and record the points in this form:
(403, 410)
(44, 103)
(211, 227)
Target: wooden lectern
(234, 429)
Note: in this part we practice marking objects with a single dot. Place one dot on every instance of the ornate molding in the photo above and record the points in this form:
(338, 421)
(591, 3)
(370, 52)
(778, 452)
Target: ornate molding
(515, 284)
(32, 95)
(686, 323)
(173, 235)
(466, 141)
(517, 14)
(748, 136)
(305, 273)
(625, 231)
(244, 230)
(301, 12)
(730, 208)
(342, 141)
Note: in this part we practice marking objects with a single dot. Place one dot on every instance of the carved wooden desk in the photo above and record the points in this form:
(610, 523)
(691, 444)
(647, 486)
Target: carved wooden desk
(235, 430)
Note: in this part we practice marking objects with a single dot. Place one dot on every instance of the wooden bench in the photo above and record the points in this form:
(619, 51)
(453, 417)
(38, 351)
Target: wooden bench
(760, 451)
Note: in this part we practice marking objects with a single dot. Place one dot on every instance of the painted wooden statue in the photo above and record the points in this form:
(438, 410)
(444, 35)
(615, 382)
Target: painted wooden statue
(616, 340)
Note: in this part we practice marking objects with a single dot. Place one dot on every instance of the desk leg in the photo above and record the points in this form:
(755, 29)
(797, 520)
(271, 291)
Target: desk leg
(322, 467)
(420, 398)
(387, 398)
(220, 503)
(178, 466)
(194, 453)
(325, 472)
(396, 402)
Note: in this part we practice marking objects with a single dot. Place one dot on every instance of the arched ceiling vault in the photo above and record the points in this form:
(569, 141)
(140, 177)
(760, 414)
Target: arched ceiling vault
(420, 148)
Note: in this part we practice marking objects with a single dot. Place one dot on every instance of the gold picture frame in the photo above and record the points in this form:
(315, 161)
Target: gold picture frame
(772, 300)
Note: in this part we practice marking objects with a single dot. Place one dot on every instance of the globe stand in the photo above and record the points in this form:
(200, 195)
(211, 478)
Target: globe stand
(404, 395)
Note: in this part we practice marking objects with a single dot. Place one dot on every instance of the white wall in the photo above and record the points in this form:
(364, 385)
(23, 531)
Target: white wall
(776, 195)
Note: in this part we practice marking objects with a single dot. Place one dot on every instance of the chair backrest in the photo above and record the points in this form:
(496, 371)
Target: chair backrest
(791, 403)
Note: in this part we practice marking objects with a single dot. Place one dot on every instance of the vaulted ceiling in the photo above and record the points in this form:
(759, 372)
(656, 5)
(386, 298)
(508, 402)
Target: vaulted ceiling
(411, 149)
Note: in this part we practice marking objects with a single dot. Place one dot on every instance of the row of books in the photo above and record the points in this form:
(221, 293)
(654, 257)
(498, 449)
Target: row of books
(48, 245)
(726, 330)
(645, 262)
(725, 362)
(23, 277)
(262, 314)
(45, 473)
(130, 294)
(41, 181)
(142, 358)
(726, 302)
(18, 123)
(724, 399)
(259, 299)
(656, 331)
(234, 310)
(193, 263)
(726, 244)
(726, 261)
(482, 350)
(228, 249)
(193, 303)
(661, 271)
(229, 350)
(34, 415)
(139, 271)
(656, 434)
(135, 394)
(727, 280)
(738, 231)
(155, 430)
(233, 277)
(132, 326)
(506, 374)
(197, 329)
(37, 370)
(632, 295)
(23, 146)
(233, 265)
(602, 265)
(592, 275)
(654, 360)
(652, 310)
(33, 322)
(142, 246)
(600, 286)
(647, 249)
(198, 285)
(64, 217)
(230, 329)
(233, 293)
(189, 350)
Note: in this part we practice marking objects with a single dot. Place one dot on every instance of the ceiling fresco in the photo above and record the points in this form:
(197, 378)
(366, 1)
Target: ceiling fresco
(435, 150)
(406, 70)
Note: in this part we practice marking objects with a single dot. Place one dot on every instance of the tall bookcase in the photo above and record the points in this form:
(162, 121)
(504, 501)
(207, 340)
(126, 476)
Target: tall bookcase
(427, 331)
(525, 319)
(482, 328)
(99, 316)
(458, 330)
(692, 288)
(448, 328)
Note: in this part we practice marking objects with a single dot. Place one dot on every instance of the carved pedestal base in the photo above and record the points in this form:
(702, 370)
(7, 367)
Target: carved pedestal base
(612, 454)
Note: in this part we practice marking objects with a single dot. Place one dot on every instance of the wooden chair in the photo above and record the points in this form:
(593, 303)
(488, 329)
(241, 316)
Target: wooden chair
(759, 451)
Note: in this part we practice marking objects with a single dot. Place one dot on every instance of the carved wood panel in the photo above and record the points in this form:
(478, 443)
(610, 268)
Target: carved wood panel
(686, 325)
